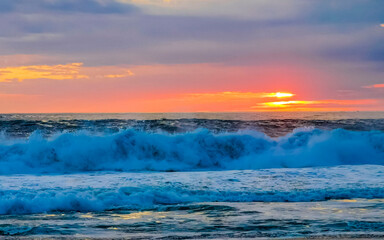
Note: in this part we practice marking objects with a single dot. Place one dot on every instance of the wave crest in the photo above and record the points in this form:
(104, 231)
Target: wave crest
(84, 200)
(132, 150)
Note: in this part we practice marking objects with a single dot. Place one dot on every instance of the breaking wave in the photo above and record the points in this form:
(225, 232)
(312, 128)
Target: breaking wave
(132, 150)
(85, 200)
(164, 191)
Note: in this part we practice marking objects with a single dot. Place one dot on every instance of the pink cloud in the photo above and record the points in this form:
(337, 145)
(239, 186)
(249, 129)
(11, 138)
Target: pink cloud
(381, 85)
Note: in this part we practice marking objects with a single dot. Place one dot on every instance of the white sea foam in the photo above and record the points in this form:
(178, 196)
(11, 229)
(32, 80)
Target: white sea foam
(20, 194)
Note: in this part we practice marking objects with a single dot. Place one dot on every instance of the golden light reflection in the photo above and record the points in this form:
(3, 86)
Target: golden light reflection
(136, 215)
(87, 215)
(54, 215)
(347, 200)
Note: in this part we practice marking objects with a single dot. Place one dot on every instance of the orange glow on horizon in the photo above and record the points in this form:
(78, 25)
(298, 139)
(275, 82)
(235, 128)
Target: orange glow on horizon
(283, 104)
(319, 105)
(159, 88)
(241, 95)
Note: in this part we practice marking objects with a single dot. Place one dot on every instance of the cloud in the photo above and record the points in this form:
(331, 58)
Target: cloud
(184, 31)
(55, 72)
(126, 73)
(87, 6)
(345, 12)
(79, 6)
(7, 6)
(381, 85)
(22, 60)
(238, 9)
(60, 72)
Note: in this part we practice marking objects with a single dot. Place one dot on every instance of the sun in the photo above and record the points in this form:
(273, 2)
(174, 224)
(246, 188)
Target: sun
(280, 95)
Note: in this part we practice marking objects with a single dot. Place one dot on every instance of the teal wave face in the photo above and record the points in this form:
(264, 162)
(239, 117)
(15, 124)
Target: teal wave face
(132, 150)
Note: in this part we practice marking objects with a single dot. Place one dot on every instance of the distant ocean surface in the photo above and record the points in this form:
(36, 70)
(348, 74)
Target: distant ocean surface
(192, 175)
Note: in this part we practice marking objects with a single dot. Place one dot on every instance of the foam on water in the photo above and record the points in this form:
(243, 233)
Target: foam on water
(21, 194)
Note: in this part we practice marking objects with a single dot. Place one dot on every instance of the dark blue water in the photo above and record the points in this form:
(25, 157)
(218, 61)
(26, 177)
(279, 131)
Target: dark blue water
(272, 124)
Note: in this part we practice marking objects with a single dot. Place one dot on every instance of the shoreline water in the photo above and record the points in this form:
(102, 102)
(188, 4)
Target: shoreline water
(307, 220)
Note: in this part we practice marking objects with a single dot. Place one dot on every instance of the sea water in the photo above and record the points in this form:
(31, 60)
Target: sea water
(195, 175)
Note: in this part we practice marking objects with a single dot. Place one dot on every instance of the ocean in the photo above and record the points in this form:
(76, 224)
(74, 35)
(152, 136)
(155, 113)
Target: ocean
(192, 175)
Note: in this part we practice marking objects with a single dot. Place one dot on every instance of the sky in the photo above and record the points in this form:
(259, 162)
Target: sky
(191, 55)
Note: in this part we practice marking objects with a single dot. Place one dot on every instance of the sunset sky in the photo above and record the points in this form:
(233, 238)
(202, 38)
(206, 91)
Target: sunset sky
(191, 55)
